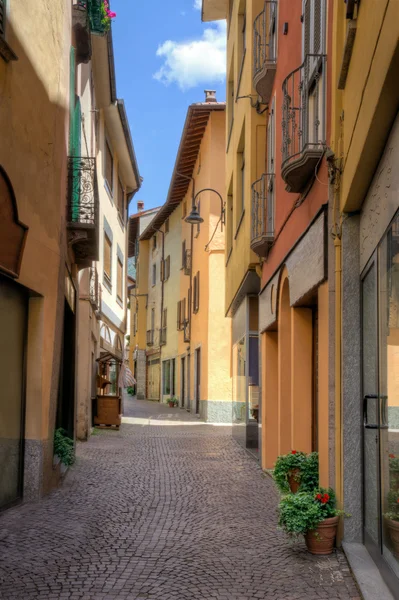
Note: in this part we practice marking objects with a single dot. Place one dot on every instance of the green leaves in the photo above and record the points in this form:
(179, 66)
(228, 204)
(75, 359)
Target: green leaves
(64, 447)
(308, 464)
(302, 512)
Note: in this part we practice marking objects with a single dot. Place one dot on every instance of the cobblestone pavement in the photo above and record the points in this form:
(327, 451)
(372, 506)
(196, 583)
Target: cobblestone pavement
(161, 512)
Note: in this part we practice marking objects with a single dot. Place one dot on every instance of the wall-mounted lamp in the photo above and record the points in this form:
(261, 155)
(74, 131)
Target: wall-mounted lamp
(285, 29)
(194, 218)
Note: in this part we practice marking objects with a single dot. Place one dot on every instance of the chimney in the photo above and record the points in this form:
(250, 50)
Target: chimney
(140, 205)
(210, 96)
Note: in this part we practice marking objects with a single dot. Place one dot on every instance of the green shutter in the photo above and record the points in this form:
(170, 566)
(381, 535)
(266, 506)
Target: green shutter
(72, 95)
(3, 9)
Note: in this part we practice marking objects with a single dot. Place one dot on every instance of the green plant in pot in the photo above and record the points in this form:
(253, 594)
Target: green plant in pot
(172, 402)
(394, 471)
(392, 519)
(64, 447)
(296, 471)
(313, 515)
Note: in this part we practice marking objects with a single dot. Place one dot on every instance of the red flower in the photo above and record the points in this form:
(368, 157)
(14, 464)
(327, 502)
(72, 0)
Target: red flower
(325, 499)
(318, 496)
(391, 456)
(397, 500)
(293, 451)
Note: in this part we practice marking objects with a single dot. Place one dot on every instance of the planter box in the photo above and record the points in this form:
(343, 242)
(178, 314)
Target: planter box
(108, 411)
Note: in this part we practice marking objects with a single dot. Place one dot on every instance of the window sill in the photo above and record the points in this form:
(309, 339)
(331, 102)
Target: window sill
(119, 301)
(228, 256)
(239, 224)
(6, 52)
(107, 283)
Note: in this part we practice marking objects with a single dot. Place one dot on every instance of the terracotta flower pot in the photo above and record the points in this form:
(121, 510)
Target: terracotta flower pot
(393, 528)
(294, 480)
(171, 404)
(321, 540)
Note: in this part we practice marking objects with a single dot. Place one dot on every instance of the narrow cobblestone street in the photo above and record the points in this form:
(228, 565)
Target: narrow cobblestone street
(165, 508)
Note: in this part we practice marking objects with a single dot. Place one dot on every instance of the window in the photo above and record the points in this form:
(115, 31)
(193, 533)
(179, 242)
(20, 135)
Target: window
(135, 324)
(230, 101)
(164, 325)
(152, 319)
(243, 41)
(242, 186)
(167, 268)
(119, 280)
(196, 293)
(154, 241)
(154, 274)
(167, 377)
(167, 226)
(109, 167)
(121, 200)
(183, 254)
(179, 315)
(107, 259)
(271, 136)
(3, 10)
(313, 27)
(230, 219)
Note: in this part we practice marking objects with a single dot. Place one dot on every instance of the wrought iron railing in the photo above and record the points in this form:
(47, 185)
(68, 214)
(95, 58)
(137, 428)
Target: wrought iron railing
(98, 24)
(304, 105)
(187, 262)
(265, 36)
(262, 225)
(94, 291)
(82, 206)
(150, 337)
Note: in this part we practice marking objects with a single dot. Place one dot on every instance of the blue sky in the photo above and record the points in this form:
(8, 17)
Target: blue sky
(164, 58)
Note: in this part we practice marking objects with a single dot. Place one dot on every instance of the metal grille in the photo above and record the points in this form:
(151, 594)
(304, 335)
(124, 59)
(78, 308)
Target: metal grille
(317, 31)
(2, 17)
(82, 191)
(264, 36)
(304, 107)
(263, 207)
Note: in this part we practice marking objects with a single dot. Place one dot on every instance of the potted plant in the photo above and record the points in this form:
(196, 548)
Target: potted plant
(392, 520)
(172, 402)
(64, 450)
(313, 515)
(296, 471)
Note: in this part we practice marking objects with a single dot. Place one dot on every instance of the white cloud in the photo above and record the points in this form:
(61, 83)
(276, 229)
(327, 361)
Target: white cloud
(194, 62)
(198, 4)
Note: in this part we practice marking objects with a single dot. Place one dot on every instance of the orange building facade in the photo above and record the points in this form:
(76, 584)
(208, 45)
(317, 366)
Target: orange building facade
(290, 231)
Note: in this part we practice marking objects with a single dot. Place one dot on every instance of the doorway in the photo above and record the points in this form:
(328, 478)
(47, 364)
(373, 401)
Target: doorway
(154, 379)
(197, 380)
(66, 389)
(380, 383)
(183, 382)
(188, 382)
(13, 326)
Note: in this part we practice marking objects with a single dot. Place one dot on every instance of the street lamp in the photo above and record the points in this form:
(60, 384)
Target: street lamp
(194, 218)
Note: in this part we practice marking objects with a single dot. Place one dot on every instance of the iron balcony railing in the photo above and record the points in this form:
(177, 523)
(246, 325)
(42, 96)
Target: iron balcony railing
(82, 209)
(187, 262)
(265, 36)
(150, 337)
(98, 24)
(262, 226)
(304, 106)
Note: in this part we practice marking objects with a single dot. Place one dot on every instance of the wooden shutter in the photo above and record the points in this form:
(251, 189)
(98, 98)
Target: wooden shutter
(109, 166)
(179, 314)
(162, 270)
(317, 27)
(120, 280)
(165, 318)
(121, 200)
(307, 25)
(107, 256)
(183, 254)
(2, 17)
(183, 310)
(197, 299)
(167, 267)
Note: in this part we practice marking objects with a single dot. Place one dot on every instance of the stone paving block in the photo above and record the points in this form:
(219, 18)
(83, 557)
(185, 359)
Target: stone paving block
(173, 510)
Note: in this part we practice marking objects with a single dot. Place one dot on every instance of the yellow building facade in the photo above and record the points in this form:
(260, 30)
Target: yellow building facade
(193, 331)
(365, 141)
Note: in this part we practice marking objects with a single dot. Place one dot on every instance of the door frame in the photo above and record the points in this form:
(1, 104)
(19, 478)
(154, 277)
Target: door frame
(197, 379)
(182, 381)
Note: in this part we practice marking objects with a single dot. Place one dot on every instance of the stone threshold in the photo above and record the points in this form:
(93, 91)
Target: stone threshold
(366, 573)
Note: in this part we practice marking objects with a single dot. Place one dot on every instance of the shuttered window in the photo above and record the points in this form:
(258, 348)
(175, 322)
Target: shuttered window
(183, 254)
(313, 27)
(2, 17)
(120, 280)
(165, 318)
(154, 274)
(167, 267)
(107, 257)
(178, 315)
(109, 167)
(121, 200)
(196, 292)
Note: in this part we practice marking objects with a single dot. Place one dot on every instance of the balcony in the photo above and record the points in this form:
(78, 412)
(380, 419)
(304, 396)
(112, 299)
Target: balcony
(150, 337)
(81, 29)
(89, 14)
(82, 209)
(265, 50)
(187, 262)
(304, 109)
(94, 289)
(262, 225)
